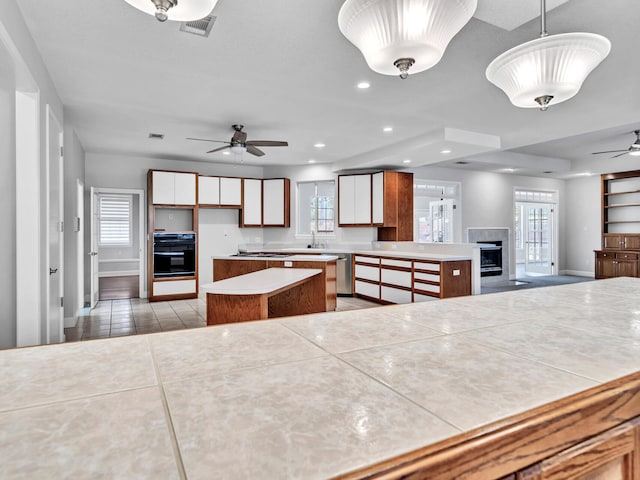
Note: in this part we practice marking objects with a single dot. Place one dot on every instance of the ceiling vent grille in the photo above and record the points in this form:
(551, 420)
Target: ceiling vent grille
(462, 162)
(200, 27)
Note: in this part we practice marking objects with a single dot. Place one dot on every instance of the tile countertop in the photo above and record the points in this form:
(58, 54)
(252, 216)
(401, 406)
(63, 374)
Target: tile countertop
(440, 257)
(312, 396)
(290, 258)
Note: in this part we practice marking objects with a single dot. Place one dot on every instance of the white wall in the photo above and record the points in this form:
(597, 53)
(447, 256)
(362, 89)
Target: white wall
(583, 228)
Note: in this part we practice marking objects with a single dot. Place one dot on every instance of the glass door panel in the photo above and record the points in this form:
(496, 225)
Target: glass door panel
(538, 255)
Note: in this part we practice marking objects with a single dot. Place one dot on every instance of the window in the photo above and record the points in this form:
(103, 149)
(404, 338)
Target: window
(115, 219)
(316, 207)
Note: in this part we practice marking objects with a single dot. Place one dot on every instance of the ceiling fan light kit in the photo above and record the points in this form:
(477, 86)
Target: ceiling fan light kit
(549, 69)
(633, 150)
(403, 36)
(177, 10)
(239, 143)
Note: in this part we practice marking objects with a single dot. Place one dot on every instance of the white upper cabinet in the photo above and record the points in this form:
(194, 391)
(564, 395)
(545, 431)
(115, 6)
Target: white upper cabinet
(363, 199)
(347, 198)
(208, 190)
(173, 188)
(377, 198)
(231, 191)
(273, 192)
(252, 202)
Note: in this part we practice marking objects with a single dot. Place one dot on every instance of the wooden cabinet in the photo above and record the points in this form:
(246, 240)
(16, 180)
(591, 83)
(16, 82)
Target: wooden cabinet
(611, 455)
(620, 225)
(611, 264)
(383, 199)
(266, 203)
(173, 188)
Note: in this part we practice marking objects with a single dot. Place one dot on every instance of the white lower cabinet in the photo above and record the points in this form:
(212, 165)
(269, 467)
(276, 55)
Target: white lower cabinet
(400, 278)
(395, 295)
(423, 298)
(367, 272)
(367, 289)
(426, 287)
(174, 287)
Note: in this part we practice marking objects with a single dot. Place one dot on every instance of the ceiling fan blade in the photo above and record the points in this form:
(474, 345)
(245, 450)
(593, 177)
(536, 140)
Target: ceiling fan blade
(267, 143)
(218, 149)
(239, 137)
(609, 151)
(254, 151)
(206, 140)
(620, 154)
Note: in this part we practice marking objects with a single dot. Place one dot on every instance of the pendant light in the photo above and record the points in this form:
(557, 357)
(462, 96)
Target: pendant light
(549, 69)
(182, 11)
(397, 35)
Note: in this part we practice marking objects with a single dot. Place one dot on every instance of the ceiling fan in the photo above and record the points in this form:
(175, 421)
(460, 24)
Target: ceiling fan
(634, 148)
(239, 143)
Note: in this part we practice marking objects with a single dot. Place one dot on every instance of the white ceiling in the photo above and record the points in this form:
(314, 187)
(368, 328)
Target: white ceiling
(283, 69)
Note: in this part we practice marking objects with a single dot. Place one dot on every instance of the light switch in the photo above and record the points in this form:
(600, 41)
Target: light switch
(288, 263)
(456, 273)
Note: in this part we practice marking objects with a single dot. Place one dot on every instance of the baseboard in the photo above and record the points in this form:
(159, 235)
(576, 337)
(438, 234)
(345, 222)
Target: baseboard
(577, 273)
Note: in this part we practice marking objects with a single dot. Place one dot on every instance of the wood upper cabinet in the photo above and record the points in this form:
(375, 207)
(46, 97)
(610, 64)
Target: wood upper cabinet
(173, 188)
(621, 241)
(265, 203)
(614, 454)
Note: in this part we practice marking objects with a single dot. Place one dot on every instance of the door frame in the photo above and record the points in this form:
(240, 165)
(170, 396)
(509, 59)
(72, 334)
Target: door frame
(538, 205)
(142, 229)
(52, 122)
(555, 205)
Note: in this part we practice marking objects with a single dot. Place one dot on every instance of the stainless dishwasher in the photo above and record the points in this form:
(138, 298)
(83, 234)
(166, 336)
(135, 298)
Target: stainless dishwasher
(343, 274)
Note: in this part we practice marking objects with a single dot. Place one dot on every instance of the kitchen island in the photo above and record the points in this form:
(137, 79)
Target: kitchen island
(537, 382)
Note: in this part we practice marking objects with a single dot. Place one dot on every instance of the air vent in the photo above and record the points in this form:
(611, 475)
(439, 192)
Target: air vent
(462, 162)
(200, 27)
(156, 136)
(548, 171)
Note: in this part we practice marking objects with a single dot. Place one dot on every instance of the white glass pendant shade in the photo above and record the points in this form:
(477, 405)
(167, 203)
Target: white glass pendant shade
(238, 149)
(389, 30)
(551, 66)
(183, 11)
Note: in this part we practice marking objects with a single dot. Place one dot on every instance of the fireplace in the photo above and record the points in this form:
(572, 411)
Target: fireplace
(491, 258)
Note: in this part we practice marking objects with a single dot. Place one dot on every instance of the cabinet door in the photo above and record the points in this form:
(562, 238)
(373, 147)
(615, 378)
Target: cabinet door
(252, 203)
(610, 455)
(631, 242)
(231, 191)
(273, 196)
(163, 188)
(185, 188)
(377, 198)
(362, 199)
(346, 201)
(612, 241)
(605, 265)
(208, 190)
(627, 268)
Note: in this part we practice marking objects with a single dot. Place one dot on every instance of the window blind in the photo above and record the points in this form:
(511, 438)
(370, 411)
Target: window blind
(115, 219)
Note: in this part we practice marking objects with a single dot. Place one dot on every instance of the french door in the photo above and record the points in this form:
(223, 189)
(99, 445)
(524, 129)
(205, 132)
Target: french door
(537, 224)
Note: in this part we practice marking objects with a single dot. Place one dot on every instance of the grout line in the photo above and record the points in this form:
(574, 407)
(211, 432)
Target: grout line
(167, 412)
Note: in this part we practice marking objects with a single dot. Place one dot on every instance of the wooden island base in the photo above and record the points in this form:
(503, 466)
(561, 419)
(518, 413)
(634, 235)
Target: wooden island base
(285, 292)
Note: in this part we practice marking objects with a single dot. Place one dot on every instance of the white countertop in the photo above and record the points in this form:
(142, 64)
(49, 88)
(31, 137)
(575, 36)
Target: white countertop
(311, 396)
(440, 257)
(290, 258)
(260, 282)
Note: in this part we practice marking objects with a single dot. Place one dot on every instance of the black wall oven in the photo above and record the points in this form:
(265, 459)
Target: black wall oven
(174, 255)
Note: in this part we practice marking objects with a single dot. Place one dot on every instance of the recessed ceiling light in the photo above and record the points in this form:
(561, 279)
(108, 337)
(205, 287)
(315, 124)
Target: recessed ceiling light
(509, 170)
(445, 151)
(387, 129)
(319, 145)
(226, 152)
(363, 85)
(406, 161)
(312, 161)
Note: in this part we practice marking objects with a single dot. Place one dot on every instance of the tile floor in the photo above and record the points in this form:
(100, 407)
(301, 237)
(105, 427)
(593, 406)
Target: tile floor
(117, 318)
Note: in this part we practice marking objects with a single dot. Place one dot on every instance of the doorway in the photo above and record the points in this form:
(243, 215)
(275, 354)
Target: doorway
(535, 237)
(117, 244)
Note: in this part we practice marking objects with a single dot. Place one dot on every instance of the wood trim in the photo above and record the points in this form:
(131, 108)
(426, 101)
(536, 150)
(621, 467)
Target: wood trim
(399, 287)
(429, 294)
(506, 446)
(174, 296)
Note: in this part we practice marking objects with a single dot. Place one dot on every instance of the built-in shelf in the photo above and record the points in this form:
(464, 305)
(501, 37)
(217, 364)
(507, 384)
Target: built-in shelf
(621, 193)
(623, 205)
